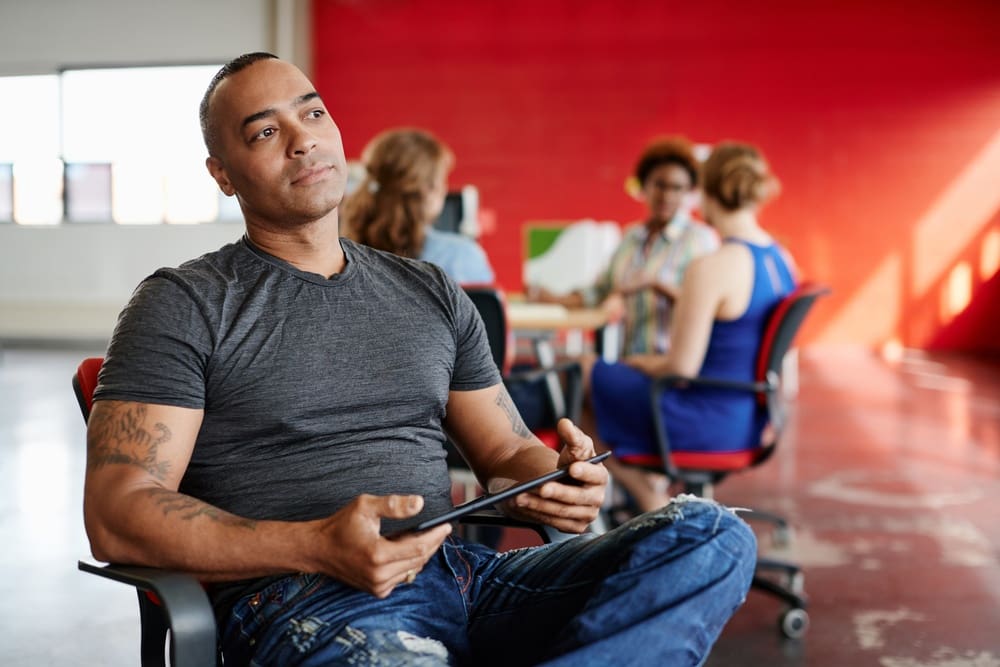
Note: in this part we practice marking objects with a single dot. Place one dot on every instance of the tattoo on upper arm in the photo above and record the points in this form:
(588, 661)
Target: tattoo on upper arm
(119, 435)
(191, 508)
(507, 405)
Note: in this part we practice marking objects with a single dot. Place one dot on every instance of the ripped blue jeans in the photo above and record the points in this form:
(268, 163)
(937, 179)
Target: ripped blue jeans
(656, 590)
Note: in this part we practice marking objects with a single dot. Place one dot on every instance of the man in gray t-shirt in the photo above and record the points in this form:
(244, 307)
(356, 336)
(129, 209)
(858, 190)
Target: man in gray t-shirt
(268, 411)
(312, 390)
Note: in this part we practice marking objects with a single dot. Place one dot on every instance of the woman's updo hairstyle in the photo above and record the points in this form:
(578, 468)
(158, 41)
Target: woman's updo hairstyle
(736, 175)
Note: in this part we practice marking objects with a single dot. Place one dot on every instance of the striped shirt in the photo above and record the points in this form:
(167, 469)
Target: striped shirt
(647, 312)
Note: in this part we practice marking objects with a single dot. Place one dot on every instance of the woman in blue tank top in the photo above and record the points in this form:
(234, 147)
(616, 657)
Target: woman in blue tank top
(718, 324)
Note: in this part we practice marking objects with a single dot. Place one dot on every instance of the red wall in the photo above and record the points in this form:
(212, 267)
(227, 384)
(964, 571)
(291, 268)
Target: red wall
(870, 113)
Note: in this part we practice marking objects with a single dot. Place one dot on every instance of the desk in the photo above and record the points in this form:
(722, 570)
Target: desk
(538, 322)
(549, 317)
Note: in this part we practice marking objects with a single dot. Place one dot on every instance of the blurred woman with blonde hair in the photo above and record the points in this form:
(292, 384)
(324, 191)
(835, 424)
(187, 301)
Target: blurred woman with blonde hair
(718, 324)
(402, 193)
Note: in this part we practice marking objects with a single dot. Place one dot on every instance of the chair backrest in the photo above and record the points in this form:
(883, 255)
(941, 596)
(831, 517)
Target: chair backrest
(492, 307)
(782, 326)
(85, 382)
(701, 469)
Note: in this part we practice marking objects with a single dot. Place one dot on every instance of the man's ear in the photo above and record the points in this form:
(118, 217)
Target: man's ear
(218, 172)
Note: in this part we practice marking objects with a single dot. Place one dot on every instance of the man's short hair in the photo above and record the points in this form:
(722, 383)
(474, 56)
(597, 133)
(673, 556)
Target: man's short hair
(208, 132)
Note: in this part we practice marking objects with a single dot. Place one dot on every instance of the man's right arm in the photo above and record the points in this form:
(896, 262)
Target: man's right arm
(136, 457)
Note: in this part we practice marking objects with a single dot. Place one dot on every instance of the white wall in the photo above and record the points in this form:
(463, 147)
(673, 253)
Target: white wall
(69, 282)
(41, 36)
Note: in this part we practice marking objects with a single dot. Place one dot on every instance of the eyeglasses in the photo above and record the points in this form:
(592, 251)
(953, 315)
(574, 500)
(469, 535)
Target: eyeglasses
(667, 186)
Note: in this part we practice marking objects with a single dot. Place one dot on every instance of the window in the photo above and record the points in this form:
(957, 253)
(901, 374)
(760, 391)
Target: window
(101, 145)
(30, 149)
(6, 193)
(38, 191)
(87, 192)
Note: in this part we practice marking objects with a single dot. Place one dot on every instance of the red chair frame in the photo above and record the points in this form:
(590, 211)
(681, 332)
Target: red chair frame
(699, 472)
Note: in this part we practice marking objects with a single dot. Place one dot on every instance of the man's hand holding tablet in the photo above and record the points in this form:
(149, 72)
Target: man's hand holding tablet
(490, 499)
(568, 507)
(567, 498)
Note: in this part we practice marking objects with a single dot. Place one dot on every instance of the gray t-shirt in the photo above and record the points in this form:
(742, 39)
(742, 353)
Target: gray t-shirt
(314, 390)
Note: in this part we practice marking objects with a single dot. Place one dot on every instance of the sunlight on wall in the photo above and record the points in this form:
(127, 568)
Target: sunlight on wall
(874, 308)
(893, 351)
(957, 292)
(882, 309)
(989, 255)
(956, 218)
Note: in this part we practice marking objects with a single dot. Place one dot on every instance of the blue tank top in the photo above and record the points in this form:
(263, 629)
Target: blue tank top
(705, 419)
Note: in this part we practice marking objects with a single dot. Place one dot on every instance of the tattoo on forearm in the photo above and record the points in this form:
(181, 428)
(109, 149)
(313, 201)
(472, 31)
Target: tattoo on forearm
(118, 435)
(190, 508)
(507, 405)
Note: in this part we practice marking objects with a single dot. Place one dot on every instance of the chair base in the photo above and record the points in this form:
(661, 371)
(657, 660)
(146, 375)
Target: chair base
(794, 620)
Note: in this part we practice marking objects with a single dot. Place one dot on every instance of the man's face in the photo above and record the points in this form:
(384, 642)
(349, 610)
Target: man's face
(278, 150)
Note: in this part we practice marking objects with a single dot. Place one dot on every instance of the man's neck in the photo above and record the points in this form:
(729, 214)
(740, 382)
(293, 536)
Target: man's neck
(313, 247)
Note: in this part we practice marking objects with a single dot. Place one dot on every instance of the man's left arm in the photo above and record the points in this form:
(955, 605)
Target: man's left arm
(488, 429)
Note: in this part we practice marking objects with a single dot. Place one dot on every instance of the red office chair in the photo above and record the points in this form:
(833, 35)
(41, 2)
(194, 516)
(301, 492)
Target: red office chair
(698, 472)
(176, 601)
(167, 600)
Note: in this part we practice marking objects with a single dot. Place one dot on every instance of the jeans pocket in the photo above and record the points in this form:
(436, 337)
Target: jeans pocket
(253, 614)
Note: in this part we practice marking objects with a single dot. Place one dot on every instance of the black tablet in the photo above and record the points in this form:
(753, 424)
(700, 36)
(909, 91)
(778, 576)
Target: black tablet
(490, 499)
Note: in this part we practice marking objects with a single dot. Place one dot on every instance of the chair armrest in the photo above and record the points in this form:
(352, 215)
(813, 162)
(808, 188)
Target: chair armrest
(768, 389)
(665, 381)
(184, 603)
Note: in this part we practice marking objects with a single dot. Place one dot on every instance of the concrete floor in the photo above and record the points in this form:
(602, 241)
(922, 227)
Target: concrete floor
(890, 474)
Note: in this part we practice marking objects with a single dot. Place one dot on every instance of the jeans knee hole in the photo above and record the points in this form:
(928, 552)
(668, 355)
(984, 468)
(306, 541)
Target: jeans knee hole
(303, 632)
(422, 645)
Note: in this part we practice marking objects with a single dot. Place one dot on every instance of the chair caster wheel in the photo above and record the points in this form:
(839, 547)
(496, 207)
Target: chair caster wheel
(794, 623)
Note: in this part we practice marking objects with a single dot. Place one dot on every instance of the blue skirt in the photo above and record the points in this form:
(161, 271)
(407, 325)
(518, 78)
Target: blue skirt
(697, 419)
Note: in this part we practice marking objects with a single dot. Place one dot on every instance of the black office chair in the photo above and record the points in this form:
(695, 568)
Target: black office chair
(699, 472)
(558, 386)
